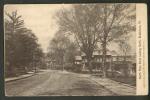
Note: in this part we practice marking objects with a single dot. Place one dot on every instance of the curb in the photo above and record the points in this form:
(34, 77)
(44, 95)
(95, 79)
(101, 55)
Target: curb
(19, 78)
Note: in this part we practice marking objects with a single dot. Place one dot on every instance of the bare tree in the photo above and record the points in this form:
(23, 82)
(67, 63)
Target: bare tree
(92, 23)
(115, 20)
(124, 46)
(82, 22)
(61, 47)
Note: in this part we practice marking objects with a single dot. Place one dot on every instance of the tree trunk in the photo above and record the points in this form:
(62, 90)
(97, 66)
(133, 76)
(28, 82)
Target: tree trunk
(89, 65)
(104, 59)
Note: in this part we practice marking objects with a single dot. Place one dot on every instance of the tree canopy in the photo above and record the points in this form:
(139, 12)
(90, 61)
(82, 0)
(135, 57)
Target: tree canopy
(91, 24)
(20, 45)
(61, 49)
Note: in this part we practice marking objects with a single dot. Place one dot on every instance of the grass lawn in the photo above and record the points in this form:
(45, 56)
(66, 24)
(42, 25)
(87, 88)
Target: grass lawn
(126, 80)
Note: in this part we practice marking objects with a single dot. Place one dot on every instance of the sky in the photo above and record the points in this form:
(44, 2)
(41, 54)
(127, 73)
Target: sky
(40, 19)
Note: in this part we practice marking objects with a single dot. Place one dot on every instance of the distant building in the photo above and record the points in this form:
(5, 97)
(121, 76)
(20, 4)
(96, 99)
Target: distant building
(124, 64)
(78, 60)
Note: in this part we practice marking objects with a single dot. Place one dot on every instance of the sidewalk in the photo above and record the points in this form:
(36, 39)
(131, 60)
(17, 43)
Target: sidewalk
(116, 87)
(19, 77)
(29, 74)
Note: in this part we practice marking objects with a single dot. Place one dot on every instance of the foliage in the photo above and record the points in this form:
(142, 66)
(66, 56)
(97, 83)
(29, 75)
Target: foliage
(93, 23)
(124, 46)
(20, 46)
(115, 20)
(61, 49)
(81, 22)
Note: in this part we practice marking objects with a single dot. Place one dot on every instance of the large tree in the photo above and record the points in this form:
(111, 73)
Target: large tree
(57, 47)
(124, 46)
(20, 45)
(61, 49)
(115, 20)
(30, 50)
(13, 25)
(92, 23)
(81, 21)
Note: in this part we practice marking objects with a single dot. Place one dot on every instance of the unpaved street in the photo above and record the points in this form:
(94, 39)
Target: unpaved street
(55, 83)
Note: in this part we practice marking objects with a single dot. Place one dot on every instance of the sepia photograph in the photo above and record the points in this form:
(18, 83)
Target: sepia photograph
(72, 49)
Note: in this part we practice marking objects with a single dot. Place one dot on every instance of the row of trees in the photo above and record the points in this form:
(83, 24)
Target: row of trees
(62, 49)
(96, 24)
(22, 51)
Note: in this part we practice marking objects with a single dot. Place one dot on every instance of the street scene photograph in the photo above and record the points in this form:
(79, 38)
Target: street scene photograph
(70, 49)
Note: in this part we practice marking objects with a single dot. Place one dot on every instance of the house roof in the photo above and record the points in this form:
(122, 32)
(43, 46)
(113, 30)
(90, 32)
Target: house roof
(78, 58)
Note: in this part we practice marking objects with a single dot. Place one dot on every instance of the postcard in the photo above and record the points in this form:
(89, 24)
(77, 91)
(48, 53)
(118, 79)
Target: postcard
(98, 49)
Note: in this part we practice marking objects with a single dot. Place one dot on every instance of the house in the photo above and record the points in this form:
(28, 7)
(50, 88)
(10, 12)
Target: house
(123, 64)
(78, 60)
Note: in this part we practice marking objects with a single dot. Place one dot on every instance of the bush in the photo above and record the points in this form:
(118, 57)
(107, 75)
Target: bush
(72, 67)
